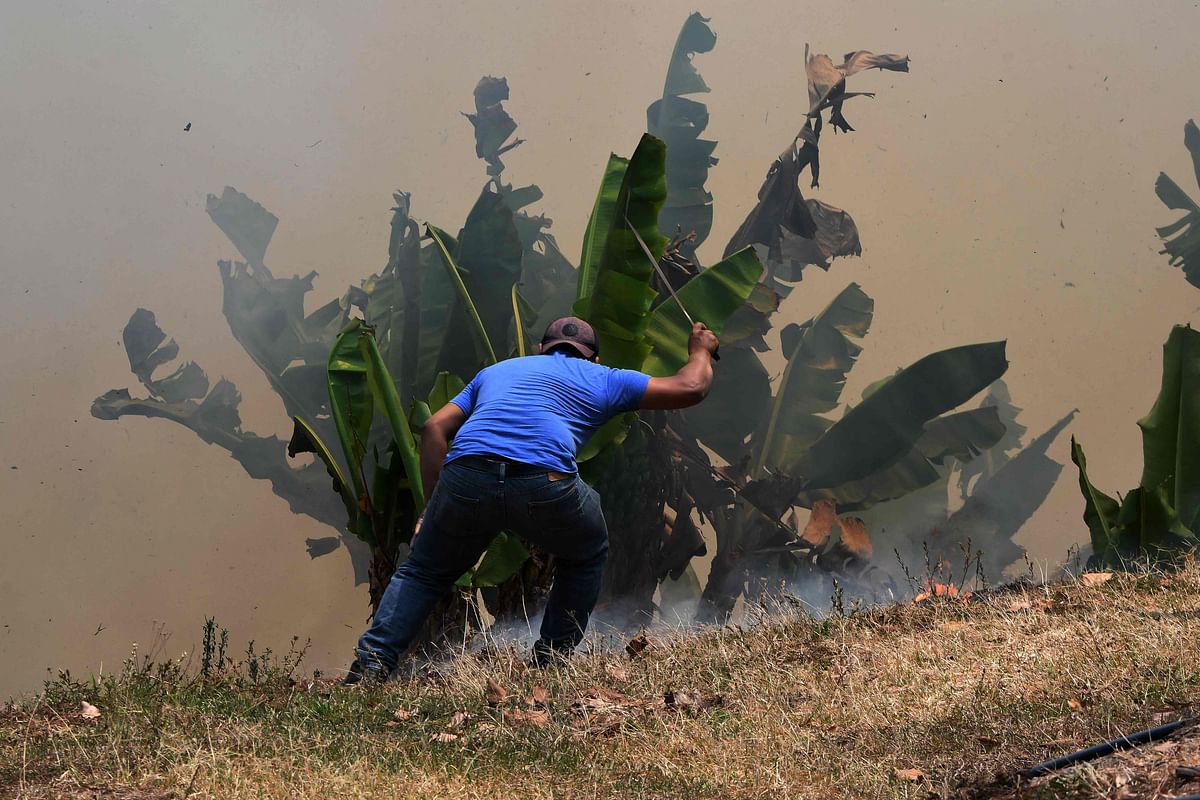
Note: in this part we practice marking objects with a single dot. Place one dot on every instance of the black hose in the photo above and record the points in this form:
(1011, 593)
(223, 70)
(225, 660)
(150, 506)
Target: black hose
(1099, 750)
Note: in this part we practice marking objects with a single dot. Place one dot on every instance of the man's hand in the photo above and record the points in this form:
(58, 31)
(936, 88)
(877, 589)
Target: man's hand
(702, 339)
(691, 384)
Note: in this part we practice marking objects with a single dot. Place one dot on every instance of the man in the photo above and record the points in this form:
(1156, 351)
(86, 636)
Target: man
(517, 428)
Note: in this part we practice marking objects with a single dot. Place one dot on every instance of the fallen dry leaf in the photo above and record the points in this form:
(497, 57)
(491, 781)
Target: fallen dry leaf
(1095, 578)
(391, 723)
(617, 672)
(1021, 604)
(495, 694)
(1074, 704)
(88, 711)
(531, 716)
(538, 696)
(444, 737)
(458, 719)
(947, 590)
(402, 714)
(953, 625)
(691, 700)
(913, 775)
(635, 646)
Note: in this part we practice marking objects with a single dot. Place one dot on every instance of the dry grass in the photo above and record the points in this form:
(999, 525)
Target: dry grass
(908, 701)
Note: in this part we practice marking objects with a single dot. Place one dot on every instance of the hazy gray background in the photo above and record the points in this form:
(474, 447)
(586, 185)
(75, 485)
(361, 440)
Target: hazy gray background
(1016, 116)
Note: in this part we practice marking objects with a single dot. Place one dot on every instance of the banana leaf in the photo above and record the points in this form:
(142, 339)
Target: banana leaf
(679, 122)
(619, 306)
(890, 421)
(595, 236)
(483, 344)
(1181, 239)
(383, 391)
(1099, 511)
(737, 403)
(143, 341)
(819, 352)
(438, 298)
(352, 406)
(503, 558)
(489, 254)
(961, 436)
(445, 388)
(711, 297)
(1148, 526)
(492, 123)
(1171, 431)
(248, 225)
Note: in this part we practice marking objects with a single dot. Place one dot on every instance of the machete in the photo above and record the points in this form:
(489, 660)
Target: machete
(663, 277)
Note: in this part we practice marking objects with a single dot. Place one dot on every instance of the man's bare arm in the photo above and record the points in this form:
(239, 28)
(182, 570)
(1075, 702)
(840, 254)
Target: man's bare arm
(435, 442)
(691, 383)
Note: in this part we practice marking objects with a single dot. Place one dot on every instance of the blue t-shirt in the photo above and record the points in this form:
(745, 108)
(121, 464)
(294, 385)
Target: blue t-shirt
(541, 409)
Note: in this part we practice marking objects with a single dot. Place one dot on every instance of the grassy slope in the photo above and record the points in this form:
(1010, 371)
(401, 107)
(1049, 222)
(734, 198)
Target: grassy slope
(791, 708)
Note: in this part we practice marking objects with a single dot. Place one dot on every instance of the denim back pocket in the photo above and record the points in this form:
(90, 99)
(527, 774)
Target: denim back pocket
(555, 508)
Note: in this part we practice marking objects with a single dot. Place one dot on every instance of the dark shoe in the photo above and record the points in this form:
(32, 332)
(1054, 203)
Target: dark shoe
(361, 674)
(546, 654)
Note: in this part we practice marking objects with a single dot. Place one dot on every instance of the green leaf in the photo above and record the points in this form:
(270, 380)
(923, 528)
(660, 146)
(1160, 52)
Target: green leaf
(821, 354)
(1099, 510)
(619, 306)
(440, 238)
(712, 297)
(445, 388)
(383, 390)
(612, 432)
(351, 404)
(518, 323)
(1171, 431)
(1163, 537)
(595, 236)
(891, 420)
(500, 562)
(305, 440)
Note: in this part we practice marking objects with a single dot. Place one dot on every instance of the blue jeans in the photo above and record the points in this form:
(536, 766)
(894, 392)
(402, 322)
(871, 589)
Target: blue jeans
(476, 498)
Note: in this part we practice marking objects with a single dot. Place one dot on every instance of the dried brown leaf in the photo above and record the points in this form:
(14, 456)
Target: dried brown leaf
(538, 696)
(88, 711)
(692, 701)
(495, 694)
(617, 672)
(444, 737)
(1075, 704)
(913, 775)
(529, 716)
(637, 645)
(1095, 578)
(402, 714)
(458, 719)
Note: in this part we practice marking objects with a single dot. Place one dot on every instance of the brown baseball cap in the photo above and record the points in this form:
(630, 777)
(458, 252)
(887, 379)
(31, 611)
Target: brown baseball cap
(574, 332)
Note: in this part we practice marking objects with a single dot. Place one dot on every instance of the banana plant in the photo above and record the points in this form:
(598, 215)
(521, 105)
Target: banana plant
(1181, 239)
(1158, 520)
(886, 446)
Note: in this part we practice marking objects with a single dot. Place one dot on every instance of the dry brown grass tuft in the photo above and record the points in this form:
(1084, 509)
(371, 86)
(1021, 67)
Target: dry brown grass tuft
(942, 699)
